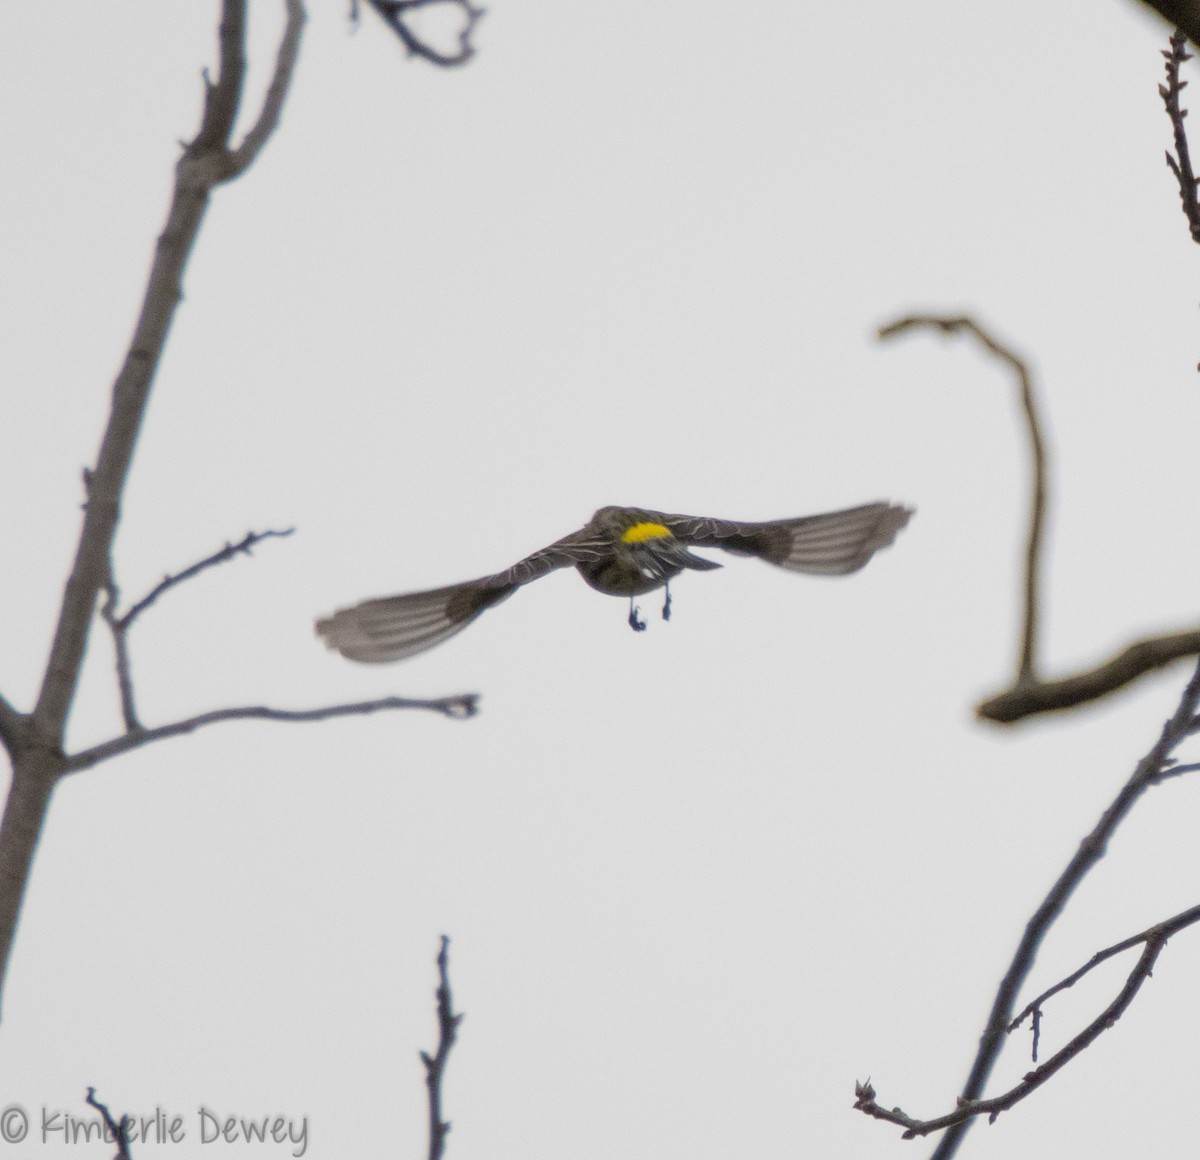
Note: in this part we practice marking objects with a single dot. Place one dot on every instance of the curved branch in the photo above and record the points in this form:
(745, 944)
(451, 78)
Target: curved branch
(1160, 930)
(1027, 664)
(458, 707)
(1155, 939)
(268, 118)
(1030, 694)
(244, 545)
(394, 14)
(969, 1109)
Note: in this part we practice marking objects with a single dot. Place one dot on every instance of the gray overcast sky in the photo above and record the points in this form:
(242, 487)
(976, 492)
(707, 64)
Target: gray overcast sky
(699, 879)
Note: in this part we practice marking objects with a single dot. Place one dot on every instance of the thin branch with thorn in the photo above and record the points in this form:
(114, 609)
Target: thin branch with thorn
(435, 1065)
(119, 1132)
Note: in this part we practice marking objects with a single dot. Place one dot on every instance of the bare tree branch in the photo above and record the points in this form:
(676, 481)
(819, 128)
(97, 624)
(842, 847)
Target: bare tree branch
(1149, 771)
(458, 707)
(268, 118)
(245, 545)
(395, 13)
(1154, 940)
(1030, 694)
(435, 1065)
(1181, 164)
(1159, 931)
(120, 624)
(1027, 663)
(119, 1132)
(1142, 656)
(39, 760)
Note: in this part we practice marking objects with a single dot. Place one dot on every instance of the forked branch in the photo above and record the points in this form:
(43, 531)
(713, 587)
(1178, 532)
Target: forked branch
(120, 623)
(1153, 941)
(1155, 767)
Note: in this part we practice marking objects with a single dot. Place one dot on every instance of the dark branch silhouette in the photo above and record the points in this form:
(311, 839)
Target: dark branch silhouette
(119, 1132)
(435, 1065)
(120, 624)
(36, 739)
(1027, 661)
(395, 13)
(1158, 934)
(458, 707)
(1181, 163)
(1030, 693)
(1135, 660)
(1153, 940)
(1155, 767)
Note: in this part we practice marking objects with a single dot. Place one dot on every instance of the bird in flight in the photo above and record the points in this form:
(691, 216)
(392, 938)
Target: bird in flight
(620, 551)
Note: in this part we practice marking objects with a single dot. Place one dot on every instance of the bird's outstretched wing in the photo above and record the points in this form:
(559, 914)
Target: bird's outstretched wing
(394, 627)
(831, 544)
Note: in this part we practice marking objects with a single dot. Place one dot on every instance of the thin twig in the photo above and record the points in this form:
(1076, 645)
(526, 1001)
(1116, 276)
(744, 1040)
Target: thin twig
(119, 1132)
(1181, 163)
(956, 1122)
(395, 12)
(244, 545)
(1161, 930)
(1179, 770)
(120, 624)
(1147, 773)
(458, 707)
(1027, 663)
(435, 1065)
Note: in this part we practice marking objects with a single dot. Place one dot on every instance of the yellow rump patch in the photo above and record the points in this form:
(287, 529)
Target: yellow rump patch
(639, 533)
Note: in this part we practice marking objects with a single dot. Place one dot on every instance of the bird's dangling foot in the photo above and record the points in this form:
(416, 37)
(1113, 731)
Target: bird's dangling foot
(667, 604)
(635, 618)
